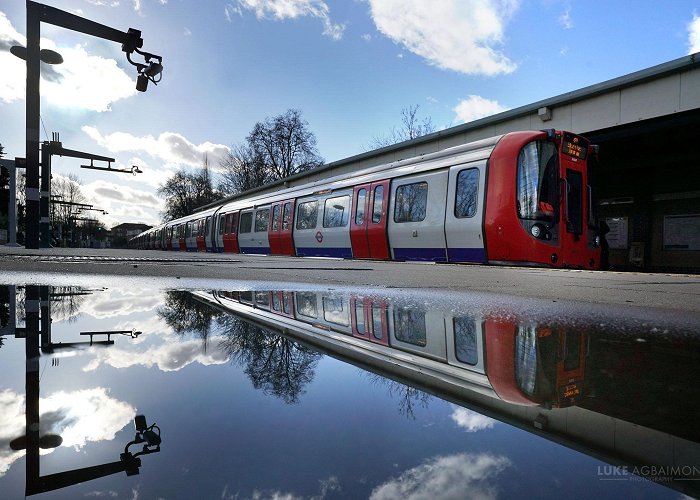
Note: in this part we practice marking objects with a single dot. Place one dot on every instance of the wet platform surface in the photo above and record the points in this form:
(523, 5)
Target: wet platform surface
(667, 291)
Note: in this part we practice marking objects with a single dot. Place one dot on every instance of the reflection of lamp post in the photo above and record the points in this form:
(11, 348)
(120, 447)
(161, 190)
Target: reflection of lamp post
(36, 14)
(37, 321)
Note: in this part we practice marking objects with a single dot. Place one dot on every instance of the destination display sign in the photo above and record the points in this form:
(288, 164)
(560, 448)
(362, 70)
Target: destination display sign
(574, 146)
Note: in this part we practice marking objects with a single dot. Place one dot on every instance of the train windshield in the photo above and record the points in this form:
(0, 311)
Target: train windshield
(538, 182)
(535, 362)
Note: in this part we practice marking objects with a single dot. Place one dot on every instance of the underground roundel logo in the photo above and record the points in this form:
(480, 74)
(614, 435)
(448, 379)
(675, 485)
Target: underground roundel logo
(319, 236)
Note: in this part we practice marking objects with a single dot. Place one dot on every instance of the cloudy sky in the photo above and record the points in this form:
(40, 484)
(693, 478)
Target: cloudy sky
(350, 66)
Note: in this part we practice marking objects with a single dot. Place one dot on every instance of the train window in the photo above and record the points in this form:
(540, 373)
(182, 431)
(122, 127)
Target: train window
(466, 198)
(411, 202)
(336, 212)
(360, 316)
(262, 219)
(409, 326)
(360, 204)
(307, 214)
(334, 311)
(222, 223)
(276, 218)
(286, 216)
(208, 227)
(275, 301)
(234, 221)
(538, 182)
(262, 299)
(286, 309)
(306, 304)
(246, 296)
(246, 222)
(465, 340)
(378, 317)
(378, 204)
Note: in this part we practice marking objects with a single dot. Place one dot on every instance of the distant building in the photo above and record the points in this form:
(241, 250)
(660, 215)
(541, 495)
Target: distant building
(122, 233)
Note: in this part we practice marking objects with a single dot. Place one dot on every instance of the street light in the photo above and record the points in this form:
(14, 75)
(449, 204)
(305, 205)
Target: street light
(36, 14)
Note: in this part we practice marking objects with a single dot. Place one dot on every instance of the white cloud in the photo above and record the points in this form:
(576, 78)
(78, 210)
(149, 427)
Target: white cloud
(694, 35)
(458, 35)
(470, 420)
(78, 417)
(475, 107)
(82, 81)
(167, 357)
(292, 9)
(169, 146)
(565, 19)
(460, 476)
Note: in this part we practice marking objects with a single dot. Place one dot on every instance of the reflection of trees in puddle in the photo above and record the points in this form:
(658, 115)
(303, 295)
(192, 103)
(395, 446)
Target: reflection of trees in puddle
(274, 364)
(408, 397)
(278, 366)
(66, 302)
(184, 314)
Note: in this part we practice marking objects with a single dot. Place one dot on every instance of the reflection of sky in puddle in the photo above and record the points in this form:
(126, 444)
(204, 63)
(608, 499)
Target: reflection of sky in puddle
(245, 413)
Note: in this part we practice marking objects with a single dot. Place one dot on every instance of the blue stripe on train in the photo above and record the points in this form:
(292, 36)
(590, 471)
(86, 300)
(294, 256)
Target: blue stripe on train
(430, 254)
(260, 250)
(340, 252)
(438, 254)
(466, 254)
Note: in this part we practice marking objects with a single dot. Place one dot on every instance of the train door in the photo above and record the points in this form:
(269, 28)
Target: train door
(181, 237)
(369, 222)
(464, 214)
(231, 233)
(369, 319)
(252, 234)
(417, 211)
(282, 303)
(574, 197)
(209, 238)
(286, 237)
(220, 232)
(245, 231)
(280, 232)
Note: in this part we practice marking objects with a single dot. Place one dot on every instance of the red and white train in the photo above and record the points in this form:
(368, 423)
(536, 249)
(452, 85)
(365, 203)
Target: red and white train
(519, 198)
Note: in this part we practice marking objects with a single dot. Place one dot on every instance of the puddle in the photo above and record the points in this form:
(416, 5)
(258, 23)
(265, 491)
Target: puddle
(265, 390)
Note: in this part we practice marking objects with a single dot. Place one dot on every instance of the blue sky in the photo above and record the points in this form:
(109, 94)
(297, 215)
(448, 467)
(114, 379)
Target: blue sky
(350, 66)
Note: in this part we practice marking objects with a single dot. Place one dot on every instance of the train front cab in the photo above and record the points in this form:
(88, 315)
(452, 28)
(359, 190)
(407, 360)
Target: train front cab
(539, 209)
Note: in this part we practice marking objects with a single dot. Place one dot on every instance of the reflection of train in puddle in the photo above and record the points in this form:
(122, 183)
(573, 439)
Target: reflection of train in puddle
(520, 363)
(620, 395)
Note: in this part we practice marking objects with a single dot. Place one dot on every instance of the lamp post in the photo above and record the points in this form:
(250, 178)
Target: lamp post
(36, 14)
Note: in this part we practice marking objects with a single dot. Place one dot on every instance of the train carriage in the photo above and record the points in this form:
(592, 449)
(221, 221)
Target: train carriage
(521, 198)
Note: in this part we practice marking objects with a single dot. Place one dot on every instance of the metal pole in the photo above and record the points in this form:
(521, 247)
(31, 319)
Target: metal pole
(44, 226)
(32, 384)
(32, 119)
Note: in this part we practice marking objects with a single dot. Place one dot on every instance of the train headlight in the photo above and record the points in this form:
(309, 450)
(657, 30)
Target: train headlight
(596, 242)
(536, 230)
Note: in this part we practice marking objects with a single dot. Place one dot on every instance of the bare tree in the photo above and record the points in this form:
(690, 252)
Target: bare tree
(242, 170)
(276, 148)
(186, 191)
(411, 128)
